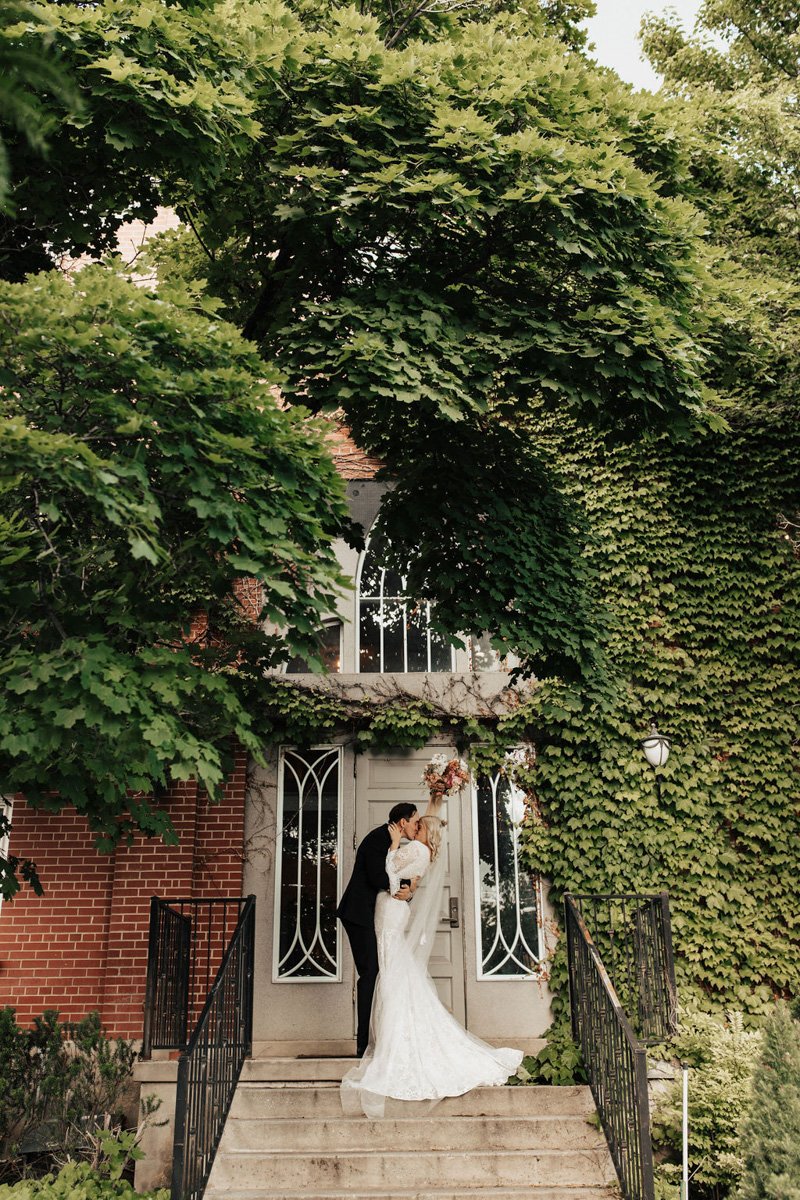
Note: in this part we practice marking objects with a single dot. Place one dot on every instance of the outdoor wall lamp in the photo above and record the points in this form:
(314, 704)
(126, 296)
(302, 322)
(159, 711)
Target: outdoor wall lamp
(656, 749)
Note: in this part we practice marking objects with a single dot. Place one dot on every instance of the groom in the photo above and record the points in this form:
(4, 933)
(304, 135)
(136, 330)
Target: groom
(356, 908)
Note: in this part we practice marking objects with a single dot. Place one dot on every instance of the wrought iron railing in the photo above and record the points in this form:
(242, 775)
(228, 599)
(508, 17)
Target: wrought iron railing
(188, 939)
(633, 935)
(615, 1058)
(210, 1066)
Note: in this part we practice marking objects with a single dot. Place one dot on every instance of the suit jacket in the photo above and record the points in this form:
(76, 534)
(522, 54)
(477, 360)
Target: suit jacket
(369, 877)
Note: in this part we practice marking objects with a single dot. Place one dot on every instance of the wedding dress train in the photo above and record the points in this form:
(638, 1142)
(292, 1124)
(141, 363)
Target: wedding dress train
(417, 1050)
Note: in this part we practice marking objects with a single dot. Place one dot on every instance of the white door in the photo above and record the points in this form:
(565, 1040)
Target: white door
(383, 780)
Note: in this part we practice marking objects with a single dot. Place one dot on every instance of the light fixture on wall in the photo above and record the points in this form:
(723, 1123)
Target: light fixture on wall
(656, 749)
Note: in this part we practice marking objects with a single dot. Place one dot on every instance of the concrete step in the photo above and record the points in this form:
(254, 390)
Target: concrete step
(415, 1168)
(440, 1133)
(321, 1101)
(293, 1070)
(479, 1193)
(344, 1047)
(287, 1070)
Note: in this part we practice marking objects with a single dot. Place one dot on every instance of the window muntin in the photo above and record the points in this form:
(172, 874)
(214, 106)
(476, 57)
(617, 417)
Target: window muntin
(508, 902)
(308, 853)
(394, 632)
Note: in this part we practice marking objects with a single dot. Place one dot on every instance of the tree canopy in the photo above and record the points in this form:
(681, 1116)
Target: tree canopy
(430, 218)
(736, 79)
(439, 221)
(436, 236)
(146, 467)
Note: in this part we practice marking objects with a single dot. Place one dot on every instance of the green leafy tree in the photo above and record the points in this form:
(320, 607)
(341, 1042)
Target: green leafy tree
(437, 233)
(165, 93)
(770, 1140)
(723, 1057)
(145, 467)
(737, 78)
(32, 84)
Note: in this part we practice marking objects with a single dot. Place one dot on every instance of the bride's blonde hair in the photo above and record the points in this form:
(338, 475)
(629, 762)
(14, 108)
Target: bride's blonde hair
(433, 828)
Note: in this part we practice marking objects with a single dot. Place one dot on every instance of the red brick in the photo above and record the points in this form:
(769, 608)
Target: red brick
(83, 945)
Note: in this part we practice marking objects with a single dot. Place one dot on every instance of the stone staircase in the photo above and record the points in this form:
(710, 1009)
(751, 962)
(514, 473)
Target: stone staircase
(287, 1137)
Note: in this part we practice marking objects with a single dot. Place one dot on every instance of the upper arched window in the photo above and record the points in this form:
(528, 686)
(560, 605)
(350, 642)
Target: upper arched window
(394, 632)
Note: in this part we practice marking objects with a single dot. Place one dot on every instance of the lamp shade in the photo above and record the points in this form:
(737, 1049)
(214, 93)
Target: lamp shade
(656, 747)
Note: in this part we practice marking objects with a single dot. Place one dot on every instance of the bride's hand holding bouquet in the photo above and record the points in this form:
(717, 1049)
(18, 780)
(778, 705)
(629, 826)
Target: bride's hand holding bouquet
(444, 776)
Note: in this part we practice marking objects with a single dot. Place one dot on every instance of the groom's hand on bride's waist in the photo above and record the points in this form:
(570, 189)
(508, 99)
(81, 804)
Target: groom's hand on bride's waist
(405, 893)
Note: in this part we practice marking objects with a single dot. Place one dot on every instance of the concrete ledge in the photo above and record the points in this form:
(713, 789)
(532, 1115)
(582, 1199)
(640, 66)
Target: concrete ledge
(157, 1078)
(156, 1071)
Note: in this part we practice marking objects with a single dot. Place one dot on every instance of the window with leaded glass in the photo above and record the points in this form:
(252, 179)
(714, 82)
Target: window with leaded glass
(308, 854)
(508, 900)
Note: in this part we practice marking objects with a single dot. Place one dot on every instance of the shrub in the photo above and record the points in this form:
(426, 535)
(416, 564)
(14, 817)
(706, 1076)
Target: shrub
(770, 1142)
(560, 1063)
(77, 1181)
(723, 1056)
(61, 1084)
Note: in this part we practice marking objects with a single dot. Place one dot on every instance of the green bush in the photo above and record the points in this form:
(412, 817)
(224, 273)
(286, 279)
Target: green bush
(723, 1056)
(62, 1086)
(560, 1063)
(77, 1181)
(770, 1141)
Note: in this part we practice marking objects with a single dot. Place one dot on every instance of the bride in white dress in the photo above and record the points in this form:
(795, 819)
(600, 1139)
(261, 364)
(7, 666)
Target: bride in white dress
(417, 1049)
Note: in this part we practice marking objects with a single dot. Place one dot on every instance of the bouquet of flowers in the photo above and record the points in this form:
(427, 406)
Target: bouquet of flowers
(444, 775)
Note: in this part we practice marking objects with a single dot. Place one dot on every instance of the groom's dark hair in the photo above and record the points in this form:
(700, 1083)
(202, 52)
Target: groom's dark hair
(402, 812)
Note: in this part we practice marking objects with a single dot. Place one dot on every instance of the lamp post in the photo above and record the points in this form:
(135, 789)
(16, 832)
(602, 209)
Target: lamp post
(656, 749)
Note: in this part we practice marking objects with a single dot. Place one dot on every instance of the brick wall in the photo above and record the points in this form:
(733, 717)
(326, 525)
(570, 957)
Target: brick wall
(83, 945)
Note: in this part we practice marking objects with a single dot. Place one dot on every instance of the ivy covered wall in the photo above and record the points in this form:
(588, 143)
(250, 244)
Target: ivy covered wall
(702, 597)
(698, 591)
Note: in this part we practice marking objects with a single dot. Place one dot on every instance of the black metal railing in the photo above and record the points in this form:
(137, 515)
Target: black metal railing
(210, 1066)
(633, 935)
(188, 939)
(615, 1058)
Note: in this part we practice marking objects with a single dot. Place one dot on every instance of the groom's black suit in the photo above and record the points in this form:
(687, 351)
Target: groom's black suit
(356, 911)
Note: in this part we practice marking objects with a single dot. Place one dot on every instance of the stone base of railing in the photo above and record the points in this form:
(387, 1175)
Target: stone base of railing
(158, 1078)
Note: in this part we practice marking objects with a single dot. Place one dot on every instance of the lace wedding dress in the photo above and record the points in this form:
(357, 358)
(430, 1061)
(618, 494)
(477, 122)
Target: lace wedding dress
(417, 1049)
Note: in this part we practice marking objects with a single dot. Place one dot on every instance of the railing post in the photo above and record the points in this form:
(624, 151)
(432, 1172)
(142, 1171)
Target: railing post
(250, 943)
(669, 964)
(573, 1003)
(179, 1142)
(150, 986)
(645, 1139)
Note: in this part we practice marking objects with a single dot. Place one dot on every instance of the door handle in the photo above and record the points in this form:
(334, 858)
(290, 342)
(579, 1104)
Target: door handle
(452, 919)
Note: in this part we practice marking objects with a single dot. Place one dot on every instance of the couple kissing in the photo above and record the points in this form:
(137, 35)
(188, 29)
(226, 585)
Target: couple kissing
(411, 1048)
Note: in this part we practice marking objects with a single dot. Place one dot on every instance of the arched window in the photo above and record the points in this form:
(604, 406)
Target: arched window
(394, 632)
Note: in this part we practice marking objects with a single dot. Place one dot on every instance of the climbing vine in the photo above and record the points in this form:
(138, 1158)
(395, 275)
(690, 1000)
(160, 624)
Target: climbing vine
(701, 590)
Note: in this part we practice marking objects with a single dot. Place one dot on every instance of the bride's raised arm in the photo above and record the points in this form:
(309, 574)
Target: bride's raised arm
(435, 801)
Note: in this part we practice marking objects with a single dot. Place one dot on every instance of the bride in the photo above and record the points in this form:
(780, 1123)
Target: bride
(417, 1049)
